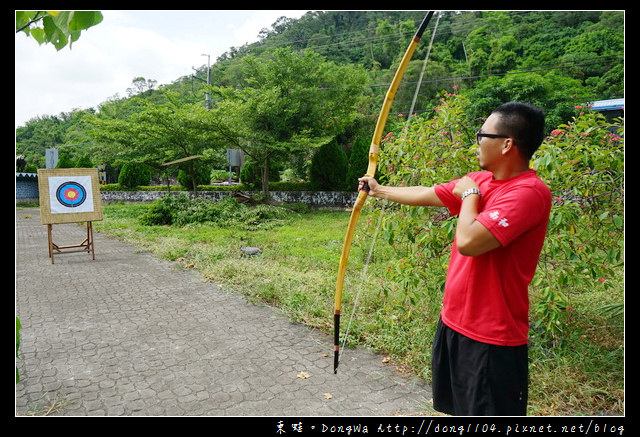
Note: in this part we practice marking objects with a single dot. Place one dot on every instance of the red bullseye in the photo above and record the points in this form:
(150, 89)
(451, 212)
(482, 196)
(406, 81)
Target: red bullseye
(71, 194)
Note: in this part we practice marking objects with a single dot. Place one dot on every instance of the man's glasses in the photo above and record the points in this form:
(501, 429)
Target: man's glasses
(479, 136)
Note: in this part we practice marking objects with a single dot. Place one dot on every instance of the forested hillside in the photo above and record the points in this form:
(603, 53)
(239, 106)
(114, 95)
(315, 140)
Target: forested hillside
(553, 59)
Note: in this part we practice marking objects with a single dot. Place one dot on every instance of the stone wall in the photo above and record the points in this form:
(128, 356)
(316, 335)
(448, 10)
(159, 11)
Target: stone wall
(27, 191)
(315, 199)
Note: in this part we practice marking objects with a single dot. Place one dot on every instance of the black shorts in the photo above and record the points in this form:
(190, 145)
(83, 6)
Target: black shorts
(471, 378)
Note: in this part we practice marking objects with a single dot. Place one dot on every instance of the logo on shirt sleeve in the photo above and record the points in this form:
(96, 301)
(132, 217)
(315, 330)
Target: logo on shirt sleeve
(495, 215)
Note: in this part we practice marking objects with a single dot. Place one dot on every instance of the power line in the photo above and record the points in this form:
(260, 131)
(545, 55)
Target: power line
(608, 60)
(462, 25)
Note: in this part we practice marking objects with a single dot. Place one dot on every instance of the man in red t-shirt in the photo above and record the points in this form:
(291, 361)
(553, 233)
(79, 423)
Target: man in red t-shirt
(479, 360)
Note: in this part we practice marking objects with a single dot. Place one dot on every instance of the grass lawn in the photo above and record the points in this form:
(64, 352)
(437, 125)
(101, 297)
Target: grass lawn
(297, 270)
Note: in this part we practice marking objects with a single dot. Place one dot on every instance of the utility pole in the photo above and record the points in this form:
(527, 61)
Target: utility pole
(207, 95)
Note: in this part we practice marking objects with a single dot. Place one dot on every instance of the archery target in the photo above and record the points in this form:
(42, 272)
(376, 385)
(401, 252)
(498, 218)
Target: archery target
(70, 194)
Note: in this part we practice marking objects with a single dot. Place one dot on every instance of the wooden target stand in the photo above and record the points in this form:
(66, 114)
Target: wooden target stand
(86, 246)
(69, 195)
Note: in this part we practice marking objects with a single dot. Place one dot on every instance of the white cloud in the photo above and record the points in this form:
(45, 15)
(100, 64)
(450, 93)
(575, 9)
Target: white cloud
(159, 45)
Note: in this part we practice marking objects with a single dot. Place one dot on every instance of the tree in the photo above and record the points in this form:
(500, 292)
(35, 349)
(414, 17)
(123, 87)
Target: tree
(133, 175)
(140, 85)
(84, 161)
(358, 162)
(292, 101)
(328, 167)
(158, 134)
(56, 27)
(583, 164)
(555, 93)
(65, 161)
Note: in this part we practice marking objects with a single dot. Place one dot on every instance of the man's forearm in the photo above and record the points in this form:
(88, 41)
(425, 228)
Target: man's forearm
(472, 238)
(415, 196)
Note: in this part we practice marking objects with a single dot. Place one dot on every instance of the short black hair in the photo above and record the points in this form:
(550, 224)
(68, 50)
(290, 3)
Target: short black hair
(524, 123)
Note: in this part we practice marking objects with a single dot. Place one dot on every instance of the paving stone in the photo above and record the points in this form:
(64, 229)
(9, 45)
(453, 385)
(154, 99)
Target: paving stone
(128, 334)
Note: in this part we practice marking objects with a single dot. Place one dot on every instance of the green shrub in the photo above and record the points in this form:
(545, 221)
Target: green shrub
(65, 161)
(251, 174)
(273, 186)
(134, 174)
(181, 210)
(358, 162)
(329, 167)
(582, 162)
(290, 186)
(220, 175)
(84, 162)
(161, 211)
(202, 175)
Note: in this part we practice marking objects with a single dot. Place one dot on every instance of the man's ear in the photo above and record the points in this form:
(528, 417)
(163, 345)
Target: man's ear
(508, 145)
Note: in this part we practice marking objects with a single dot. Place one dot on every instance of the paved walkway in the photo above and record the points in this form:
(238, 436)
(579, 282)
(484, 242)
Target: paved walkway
(127, 334)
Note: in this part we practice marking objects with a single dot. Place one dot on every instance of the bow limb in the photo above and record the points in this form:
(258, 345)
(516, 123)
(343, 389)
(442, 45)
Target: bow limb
(346, 247)
(374, 152)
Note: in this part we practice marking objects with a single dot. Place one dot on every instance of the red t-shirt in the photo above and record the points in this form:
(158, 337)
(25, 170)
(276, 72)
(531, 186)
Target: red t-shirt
(486, 297)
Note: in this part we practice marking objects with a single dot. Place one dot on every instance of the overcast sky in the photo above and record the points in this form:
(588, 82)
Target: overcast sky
(159, 45)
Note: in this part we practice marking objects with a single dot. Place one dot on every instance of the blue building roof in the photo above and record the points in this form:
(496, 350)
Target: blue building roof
(608, 105)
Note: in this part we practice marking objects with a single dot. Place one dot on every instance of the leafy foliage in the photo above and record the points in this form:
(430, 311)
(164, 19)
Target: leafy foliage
(65, 161)
(56, 27)
(201, 174)
(182, 210)
(301, 85)
(133, 175)
(358, 161)
(328, 168)
(583, 164)
(251, 173)
(290, 102)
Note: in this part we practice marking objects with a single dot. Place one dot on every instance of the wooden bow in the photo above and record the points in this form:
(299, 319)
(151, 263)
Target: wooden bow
(371, 171)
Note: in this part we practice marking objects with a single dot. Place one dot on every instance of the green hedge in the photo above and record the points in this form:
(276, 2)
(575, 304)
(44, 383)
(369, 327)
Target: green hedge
(273, 186)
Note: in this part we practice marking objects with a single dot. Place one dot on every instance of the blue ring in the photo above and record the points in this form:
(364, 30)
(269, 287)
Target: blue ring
(71, 203)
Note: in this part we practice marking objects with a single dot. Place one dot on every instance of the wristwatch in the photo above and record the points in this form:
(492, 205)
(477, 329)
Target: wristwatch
(470, 191)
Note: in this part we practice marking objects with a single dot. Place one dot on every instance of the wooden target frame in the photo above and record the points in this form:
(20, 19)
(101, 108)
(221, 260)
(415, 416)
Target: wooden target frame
(69, 195)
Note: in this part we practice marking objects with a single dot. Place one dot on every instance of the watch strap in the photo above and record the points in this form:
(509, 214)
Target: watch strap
(470, 191)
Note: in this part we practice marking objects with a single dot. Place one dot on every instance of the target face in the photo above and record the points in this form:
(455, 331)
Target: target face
(70, 194)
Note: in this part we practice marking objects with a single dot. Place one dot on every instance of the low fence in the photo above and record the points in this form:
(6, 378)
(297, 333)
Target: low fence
(27, 191)
(314, 199)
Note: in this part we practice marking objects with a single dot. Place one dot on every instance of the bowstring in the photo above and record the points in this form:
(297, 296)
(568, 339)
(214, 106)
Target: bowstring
(424, 66)
(382, 210)
(363, 276)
